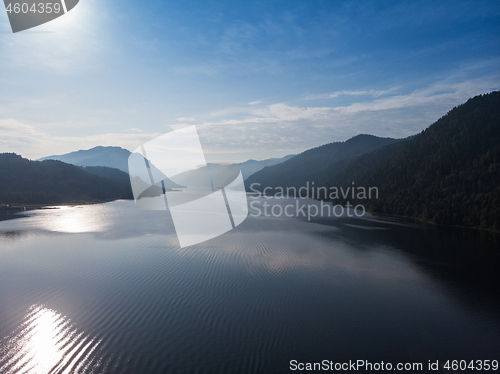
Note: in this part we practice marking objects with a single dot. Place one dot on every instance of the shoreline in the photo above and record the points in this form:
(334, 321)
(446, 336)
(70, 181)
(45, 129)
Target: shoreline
(408, 218)
(27, 207)
(422, 221)
(24, 207)
(10, 211)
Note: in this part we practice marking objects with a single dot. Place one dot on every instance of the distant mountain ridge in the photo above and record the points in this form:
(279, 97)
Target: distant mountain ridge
(117, 158)
(112, 157)
(250, 167)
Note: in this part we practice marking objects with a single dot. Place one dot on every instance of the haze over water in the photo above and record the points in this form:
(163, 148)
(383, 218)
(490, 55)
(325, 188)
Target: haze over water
(107, 289)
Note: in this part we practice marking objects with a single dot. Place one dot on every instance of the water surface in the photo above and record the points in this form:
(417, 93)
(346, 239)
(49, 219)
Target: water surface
(107, 289)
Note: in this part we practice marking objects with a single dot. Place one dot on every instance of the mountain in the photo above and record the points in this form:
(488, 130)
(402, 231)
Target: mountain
(117, 158)
(449, 173)
(315, 163)
(113, 157)
(54, 182)
(108, 173)
(105, 157)
(252, 166)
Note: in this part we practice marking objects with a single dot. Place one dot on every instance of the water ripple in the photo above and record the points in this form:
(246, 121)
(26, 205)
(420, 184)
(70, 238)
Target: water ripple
(47, 343)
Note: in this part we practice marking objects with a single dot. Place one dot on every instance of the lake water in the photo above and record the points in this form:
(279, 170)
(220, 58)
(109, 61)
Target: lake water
(107, 289)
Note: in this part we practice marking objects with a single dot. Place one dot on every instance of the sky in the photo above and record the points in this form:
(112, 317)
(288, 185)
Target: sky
(259, 79)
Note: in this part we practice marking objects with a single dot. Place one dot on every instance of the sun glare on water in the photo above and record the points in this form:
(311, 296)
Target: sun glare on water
(67, 219)
(46, 343)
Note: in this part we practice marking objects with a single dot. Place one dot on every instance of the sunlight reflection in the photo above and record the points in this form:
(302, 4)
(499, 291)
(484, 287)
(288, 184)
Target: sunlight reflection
(73, 220)
(46, 343)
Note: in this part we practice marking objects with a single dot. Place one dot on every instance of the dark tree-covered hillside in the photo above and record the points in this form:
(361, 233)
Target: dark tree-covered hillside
(53, 182)
(108, 173)
(449, 173)
(315, 163)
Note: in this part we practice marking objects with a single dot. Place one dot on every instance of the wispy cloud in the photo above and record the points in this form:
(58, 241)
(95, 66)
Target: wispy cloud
(373, 93)
(29, 142)
(231, 111)
(255, 102)
(275, 127)
(285, 127)
(439, 93)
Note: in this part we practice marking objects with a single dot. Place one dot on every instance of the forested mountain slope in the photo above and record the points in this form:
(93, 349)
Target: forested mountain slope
(53, 182)
(449, 173)
(314, 164)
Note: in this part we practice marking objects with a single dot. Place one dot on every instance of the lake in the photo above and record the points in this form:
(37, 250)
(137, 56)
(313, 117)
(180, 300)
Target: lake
(107, 289)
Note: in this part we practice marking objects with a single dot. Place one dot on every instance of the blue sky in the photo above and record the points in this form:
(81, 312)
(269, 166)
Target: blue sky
(260, 79)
